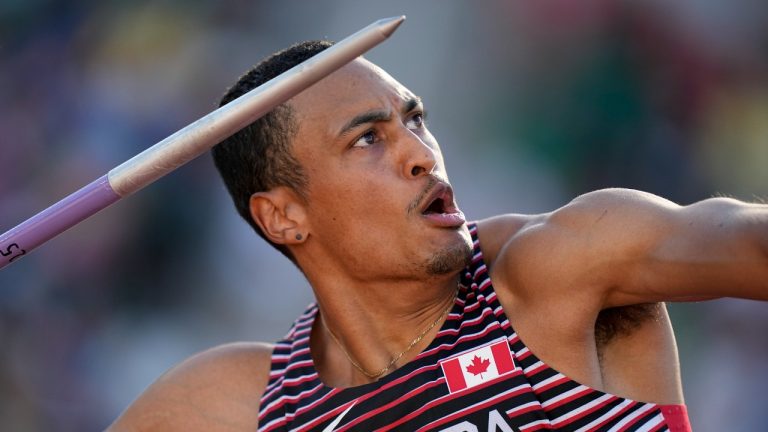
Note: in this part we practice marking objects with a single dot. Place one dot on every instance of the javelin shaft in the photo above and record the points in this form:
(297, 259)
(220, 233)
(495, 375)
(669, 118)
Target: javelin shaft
(186, 144)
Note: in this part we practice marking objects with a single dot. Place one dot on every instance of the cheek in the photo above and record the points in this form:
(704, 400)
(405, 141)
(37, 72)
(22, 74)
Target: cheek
(360, 189)
(359, 199)
(351, 203)
(337, 197)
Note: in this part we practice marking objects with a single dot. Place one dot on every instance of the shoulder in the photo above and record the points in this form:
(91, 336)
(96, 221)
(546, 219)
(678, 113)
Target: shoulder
(592, 235)
(622, 201)
(495, 232)
(580, 213)
(218, 389)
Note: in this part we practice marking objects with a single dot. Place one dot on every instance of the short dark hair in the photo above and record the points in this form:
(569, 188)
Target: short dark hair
(259, 157)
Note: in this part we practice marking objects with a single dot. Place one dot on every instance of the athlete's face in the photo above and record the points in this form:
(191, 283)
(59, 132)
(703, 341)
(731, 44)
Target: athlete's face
(379, 202)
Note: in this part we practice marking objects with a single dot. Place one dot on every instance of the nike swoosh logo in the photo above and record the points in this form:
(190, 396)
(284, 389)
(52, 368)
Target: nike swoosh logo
(336, 421)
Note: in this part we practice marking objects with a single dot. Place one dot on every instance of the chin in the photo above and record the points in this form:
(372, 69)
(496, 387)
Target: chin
(452, 258)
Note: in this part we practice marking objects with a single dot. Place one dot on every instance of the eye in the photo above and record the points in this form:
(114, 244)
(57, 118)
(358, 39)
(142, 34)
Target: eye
(366, 139)
(416, 121)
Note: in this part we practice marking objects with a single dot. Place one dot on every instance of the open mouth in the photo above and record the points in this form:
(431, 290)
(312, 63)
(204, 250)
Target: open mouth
(440, 209)
(437, 206)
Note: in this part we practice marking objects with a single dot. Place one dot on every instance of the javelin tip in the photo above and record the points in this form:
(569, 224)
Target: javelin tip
(387, 26)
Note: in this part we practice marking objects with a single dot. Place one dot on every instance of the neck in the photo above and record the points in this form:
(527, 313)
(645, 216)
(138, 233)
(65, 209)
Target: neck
(373, 323)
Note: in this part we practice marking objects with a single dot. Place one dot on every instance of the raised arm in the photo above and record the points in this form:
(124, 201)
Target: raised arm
(628, 247)
(656, 250)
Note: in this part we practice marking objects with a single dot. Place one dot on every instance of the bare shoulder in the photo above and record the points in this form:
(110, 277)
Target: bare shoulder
(600, 202)
(496, 231)
(614, 213)
(215, 390)
(585, 238)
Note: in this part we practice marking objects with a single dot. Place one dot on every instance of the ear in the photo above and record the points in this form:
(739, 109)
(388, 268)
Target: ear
(281, 215)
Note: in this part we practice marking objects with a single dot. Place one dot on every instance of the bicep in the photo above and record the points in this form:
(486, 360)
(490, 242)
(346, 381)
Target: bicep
(713, 248)
(649, 249)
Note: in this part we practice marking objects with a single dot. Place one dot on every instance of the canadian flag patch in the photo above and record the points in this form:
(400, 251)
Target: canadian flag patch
(478, 366)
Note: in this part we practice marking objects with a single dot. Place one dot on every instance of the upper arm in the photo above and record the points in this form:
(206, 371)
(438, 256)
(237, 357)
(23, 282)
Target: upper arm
(217, 390)
(636, 247)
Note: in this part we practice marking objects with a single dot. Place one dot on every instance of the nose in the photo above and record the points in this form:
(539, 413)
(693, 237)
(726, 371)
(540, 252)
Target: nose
(419, 158)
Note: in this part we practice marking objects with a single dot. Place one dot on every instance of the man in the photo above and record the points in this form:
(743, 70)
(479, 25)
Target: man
(424, 321)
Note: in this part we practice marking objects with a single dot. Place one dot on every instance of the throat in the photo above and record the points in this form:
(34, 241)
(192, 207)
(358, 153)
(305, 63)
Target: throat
(349, 352)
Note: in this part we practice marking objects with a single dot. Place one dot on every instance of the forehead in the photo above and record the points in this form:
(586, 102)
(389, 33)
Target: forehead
(357, 87)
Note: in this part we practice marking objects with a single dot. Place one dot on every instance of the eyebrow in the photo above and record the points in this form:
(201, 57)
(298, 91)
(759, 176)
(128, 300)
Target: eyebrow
(378, 115)
(411, 104)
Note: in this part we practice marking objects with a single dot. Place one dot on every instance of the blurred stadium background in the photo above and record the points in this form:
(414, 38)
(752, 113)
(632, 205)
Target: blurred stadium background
(533, 103)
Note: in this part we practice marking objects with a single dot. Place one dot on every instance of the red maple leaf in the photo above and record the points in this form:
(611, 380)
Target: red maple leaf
(478, 366)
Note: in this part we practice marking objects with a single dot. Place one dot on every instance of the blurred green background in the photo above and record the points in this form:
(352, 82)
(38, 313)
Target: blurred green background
(533, 103)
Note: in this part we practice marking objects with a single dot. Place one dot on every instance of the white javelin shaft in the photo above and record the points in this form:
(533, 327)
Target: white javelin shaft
(186, 144)
(200, 136)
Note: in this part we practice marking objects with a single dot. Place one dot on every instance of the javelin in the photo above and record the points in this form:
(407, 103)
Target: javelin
(187, 143)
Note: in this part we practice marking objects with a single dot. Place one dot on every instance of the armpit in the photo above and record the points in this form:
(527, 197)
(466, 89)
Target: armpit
(621, 321)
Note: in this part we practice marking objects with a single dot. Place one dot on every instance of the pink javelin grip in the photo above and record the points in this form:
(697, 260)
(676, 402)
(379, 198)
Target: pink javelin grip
(187, 144)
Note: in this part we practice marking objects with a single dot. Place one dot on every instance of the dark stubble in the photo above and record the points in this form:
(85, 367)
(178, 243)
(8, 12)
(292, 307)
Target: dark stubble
(450, 260)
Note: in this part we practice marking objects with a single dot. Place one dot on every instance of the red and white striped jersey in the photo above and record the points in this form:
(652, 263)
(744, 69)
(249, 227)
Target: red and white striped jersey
(476, 375)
